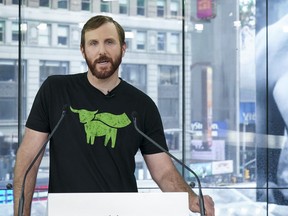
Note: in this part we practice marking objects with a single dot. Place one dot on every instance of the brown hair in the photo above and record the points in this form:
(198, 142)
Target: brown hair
(97, 21)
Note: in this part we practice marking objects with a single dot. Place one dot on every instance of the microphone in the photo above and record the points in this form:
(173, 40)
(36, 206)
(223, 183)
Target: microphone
(9, 186)
(192, 184)
(22, 196)
(109, 94)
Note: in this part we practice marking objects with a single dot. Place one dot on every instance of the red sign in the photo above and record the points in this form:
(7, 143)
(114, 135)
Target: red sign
(204, 9)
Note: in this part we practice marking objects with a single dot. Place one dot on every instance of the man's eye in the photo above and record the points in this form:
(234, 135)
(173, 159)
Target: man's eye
(110, 42)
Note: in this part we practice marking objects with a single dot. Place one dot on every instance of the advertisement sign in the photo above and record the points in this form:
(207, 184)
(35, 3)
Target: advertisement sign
(212, 168)
(247, 112)
(204, 9)
(219, 128)
(216, 152)
(222, 167)
(201, 169)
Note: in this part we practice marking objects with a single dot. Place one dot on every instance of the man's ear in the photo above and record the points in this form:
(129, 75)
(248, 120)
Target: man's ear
(124, 46)
(82, 50)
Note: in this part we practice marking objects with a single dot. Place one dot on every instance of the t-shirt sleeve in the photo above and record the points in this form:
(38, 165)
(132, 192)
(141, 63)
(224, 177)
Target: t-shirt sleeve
(153, 127)
(38, 118)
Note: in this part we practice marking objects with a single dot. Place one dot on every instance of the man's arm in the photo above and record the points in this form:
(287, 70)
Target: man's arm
(165, 174)
(30, 146)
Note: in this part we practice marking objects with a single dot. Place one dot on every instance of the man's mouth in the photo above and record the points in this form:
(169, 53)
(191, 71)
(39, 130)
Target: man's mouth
(103, 61)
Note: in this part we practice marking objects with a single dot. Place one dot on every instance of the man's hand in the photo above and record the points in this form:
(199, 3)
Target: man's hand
(208, 205)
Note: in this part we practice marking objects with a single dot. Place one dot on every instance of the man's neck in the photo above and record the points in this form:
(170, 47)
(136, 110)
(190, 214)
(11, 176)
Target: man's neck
(104, 85)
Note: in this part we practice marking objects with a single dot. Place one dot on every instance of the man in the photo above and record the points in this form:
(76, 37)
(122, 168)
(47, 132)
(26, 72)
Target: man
(94, 147)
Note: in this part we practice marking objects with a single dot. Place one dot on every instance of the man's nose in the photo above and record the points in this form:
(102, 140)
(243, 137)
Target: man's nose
(102, 48)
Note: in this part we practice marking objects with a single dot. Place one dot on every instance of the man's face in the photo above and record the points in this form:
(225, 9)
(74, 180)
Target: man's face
(103, 52)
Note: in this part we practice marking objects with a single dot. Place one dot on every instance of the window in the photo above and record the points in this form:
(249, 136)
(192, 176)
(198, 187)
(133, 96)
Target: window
(62, 35)
(141, 7)
(8, 88)
(174, 8)
(168, 106)
(139, 171)
(168, 94)
(172, 139)
(123, 6)
(8, 108)
(16, 2)
(63, 4)
(48, 68)
(129, 35)
(2, 32)
(105, 6)
(8, 71)
(44, 34)
(141, 40)
(161, 8)
(15, 32)
(161, 41)
(85, 5)
(169, 75)
(174, 43)
(83, 66)
(44, 3)
(135, 74)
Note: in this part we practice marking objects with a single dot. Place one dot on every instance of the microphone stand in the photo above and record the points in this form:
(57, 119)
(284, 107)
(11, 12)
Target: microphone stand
(22, 196)
(201, 199)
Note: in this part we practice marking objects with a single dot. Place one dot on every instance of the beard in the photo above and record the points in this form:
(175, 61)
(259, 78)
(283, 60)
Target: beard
(104, 72)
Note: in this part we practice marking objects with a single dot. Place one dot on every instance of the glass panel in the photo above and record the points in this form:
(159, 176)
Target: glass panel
(9, 125)
(271, 104)
(219, 82)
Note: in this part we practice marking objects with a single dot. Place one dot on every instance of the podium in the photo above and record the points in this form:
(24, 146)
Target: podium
(118, 204)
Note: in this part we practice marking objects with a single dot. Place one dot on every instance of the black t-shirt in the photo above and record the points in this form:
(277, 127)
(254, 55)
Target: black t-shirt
(94, 147)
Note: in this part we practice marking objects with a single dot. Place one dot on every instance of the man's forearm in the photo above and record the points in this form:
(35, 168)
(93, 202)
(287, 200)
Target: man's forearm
(19, 172)
(173, 182)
